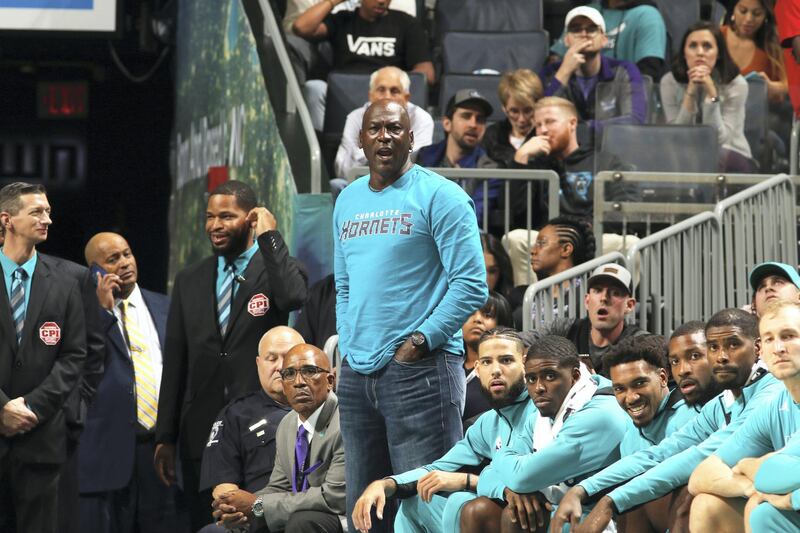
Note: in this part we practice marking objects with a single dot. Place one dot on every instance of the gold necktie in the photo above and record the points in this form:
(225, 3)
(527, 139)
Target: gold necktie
(146, 395)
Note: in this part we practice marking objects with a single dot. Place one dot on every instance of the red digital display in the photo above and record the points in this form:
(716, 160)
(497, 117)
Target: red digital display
(62, 100)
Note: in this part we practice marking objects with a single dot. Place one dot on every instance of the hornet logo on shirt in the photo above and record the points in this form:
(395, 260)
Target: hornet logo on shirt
(387, 222)
(372, 46)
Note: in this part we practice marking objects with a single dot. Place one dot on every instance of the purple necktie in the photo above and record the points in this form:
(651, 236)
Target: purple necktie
(300, 456)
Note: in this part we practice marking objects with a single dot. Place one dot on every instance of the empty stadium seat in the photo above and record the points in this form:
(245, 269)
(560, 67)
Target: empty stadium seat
(486, 85)
(488, 15)
(756, 117)
(466, 52)
(347, 91)
(667, 148)
(678, 16)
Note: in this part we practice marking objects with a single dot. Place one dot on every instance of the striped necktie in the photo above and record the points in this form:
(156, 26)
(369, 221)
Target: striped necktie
(146, 395)
(18, 301)
(224, 297)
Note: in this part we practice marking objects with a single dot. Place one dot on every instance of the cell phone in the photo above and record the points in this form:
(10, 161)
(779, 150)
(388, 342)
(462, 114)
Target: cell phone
(96, 269)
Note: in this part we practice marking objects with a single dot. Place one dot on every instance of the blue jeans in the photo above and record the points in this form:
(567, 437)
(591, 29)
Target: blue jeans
(398, 418)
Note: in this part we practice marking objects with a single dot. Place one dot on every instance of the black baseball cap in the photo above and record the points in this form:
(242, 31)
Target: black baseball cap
(469, 96)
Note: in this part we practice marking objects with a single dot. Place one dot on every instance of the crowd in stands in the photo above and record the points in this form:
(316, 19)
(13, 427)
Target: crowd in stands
(406, 397)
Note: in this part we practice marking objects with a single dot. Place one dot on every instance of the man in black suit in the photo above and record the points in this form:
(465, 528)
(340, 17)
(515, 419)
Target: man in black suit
(221, 306)
(120, 491)
(42, 352)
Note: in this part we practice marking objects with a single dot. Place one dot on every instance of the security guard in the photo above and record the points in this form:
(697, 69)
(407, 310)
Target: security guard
(240, 452)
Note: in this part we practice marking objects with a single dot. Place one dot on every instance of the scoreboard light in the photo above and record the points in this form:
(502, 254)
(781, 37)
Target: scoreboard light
(62, 100)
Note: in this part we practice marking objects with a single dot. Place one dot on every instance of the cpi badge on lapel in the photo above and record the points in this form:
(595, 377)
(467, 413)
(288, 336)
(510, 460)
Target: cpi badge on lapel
(258, 305)
(50, 333)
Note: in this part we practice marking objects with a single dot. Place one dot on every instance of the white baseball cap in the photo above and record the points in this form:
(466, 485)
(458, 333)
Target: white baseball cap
(612, 272)
(588, 12)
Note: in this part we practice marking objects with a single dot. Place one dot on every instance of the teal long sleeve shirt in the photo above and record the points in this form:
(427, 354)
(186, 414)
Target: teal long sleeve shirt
(659, 469)
(588, 441)
(406, 258)
(779, 473)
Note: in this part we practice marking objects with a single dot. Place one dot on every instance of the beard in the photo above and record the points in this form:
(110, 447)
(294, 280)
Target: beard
(506, 399)
(237, 242)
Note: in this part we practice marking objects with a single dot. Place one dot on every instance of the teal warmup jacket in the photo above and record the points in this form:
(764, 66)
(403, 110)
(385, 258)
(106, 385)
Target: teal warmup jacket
(489, 434)
(779, 473)
(588, 441)
(653, 472)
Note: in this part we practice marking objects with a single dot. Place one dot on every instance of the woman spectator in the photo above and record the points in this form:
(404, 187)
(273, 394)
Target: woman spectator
(518, 91)
(499, 276)
(564, 242)
(705, 87)
(495, 313)
(752, 42)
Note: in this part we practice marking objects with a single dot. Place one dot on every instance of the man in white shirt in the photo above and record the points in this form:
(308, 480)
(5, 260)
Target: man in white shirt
(119, 488)
(387, 83)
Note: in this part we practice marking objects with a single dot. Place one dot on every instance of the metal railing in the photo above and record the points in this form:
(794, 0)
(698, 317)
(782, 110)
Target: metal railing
(561, 295)
(672, 196)
(758, 224)
(677, 269)
(464, 176)
(294, 102)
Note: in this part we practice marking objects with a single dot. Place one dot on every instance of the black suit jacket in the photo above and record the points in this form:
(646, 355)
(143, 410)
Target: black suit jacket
(107, 448)
(200, 365)
(81, 396)
(44, 374)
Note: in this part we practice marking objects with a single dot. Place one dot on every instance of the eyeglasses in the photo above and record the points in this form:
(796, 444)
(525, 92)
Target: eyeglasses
(306, 371)
(590, 31)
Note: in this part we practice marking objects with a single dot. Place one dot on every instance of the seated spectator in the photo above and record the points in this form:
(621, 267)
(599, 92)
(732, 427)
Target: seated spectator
(723, 482)
(609, 298)
(662, 470)
(752, 41)
(240, 453)
(518, 91)
(604, 90)
(316, 320)
(705, 87)
(495, 313)
(773, 281)
(575, 431)
(464, 124)
(560, 245)
(387, 83)
(499, 276)
(371, 37)
(555, 147)
(306, 488)
(636, 33)
(775, 505)
(434, 494)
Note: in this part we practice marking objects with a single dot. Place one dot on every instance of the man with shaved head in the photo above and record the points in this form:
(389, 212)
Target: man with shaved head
(409, 270)
(240, 454)
(118, 484)
(305, 492)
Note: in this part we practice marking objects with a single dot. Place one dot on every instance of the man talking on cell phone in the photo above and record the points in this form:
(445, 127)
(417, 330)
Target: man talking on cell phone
(220, 308)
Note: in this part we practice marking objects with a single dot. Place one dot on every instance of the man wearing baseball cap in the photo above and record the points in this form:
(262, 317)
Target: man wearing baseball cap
(609, 298)
(604, 90)
(636, 33)
(773, 281)
(464, 125)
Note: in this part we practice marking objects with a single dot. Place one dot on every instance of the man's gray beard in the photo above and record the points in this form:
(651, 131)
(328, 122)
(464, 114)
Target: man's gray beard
(510, 397)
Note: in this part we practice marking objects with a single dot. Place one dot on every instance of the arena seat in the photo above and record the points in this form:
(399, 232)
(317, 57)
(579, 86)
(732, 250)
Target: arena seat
(486, 85)
(467, 52)
(756, 117)
(483, 15)
(678, 16)
(663, 148)
(347, 91)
